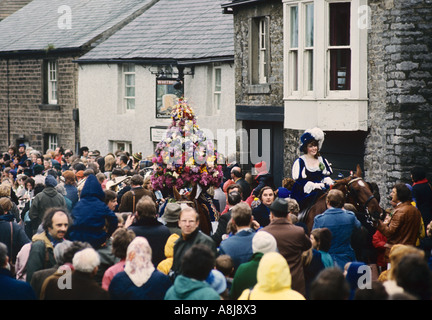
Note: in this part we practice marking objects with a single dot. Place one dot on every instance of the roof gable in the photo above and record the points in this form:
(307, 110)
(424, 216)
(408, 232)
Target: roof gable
(64, 25)
(172, 29)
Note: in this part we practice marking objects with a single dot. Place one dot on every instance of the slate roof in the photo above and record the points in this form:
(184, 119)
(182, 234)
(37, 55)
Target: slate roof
(36, 25)
(172, 29)
(7, 7)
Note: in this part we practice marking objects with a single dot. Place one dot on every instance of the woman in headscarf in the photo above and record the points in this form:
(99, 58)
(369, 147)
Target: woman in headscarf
(139, 280)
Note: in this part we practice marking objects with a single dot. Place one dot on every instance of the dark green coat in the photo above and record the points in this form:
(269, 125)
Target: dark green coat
(245, 276)
(44, 200)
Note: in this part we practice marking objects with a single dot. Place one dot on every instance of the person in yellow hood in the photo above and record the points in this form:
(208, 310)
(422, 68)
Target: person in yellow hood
(165, 265)
(274, 280)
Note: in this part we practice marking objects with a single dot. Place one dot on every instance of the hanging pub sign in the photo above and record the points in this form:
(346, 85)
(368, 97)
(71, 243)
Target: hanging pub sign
(167, 92)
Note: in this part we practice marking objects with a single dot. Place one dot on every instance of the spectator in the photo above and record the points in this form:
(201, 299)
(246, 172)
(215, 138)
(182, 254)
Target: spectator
(376, 292)
(261, 213)
(165, 265)
(139, 280)
(341, 224)
(130, 199)
(233, 198)
(246, 274)
(237, 177)
(11, 233)
(414, 276)
(218, 282)
(145, 224)
(197, 262)
(330, 284)
(353, 274)
(189, 223)
(121, 240)
(397, 252)
(225, 264)
(291, 240)
(110, 199)
(44, 200)
(93, 221)
(321, 241)
(171, 217)
(39, 277)
(273, 281)
(82, 286)
(70, 186)
(404, 225)
(239, 246)
(10, 288)
(55, 224)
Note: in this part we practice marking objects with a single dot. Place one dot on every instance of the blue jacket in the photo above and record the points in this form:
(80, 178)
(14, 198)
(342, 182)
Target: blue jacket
(341, 223)
(122, 287)
(90, 215)
(238, 247)
(12, 289)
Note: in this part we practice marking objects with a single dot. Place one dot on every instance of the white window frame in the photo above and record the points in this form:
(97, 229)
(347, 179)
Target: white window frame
(259, 54)
(52, 142)
(262, 50)
(121, 145)
(128, 73)
(313, 105)
(217, 89)
(52, 75)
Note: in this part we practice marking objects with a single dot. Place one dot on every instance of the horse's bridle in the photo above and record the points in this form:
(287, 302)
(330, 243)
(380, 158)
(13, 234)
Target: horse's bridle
(350, 190)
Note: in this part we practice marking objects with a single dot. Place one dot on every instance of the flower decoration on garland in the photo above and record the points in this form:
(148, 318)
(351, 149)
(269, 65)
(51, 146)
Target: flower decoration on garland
(185, 157)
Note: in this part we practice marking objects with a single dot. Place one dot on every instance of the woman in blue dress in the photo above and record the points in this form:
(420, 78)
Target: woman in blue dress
(310, 171)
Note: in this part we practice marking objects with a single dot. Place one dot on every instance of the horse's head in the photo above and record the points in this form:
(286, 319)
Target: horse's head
(360, 193)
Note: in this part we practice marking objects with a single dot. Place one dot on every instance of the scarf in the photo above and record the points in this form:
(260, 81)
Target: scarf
(139, 266)
(420, 181)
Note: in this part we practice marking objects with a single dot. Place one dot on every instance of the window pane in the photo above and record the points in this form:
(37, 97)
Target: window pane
(129, 67)
(309, 69)
(130, 91)
(309, 25)
(294, 69)
(130, 104)
(340, 69)
(218, 80)
(130, 79)
(217, 99)
(294, 27)
(339, 24)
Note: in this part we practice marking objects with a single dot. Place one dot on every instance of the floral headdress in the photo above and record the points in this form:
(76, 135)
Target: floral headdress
(185, 157)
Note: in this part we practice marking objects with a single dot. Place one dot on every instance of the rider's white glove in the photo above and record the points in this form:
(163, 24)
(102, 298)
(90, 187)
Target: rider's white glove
(328, 181)
(310, 186)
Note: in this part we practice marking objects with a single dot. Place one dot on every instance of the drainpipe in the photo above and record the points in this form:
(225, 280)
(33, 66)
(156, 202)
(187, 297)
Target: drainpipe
(8, 103)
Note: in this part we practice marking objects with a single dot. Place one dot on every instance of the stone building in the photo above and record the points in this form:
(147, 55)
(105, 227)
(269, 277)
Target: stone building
(38, 79)
(187, 41)
(360, 70)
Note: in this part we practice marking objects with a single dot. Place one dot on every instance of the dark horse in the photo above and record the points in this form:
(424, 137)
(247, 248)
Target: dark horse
(200, 204)
(356, 191)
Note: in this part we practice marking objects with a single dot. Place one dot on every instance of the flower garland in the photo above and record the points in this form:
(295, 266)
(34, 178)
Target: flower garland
(185, 157)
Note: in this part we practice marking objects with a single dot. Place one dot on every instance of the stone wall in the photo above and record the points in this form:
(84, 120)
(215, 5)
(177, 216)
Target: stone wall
(400, 91)
(28, 116)
(274, 97)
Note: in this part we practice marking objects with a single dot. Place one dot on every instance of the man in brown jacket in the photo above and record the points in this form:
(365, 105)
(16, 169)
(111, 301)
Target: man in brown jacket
(131, 198)
(291, 241)
(404, 224)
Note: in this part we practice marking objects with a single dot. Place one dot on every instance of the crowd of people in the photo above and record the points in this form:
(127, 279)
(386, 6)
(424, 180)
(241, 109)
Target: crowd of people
(87, 226)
